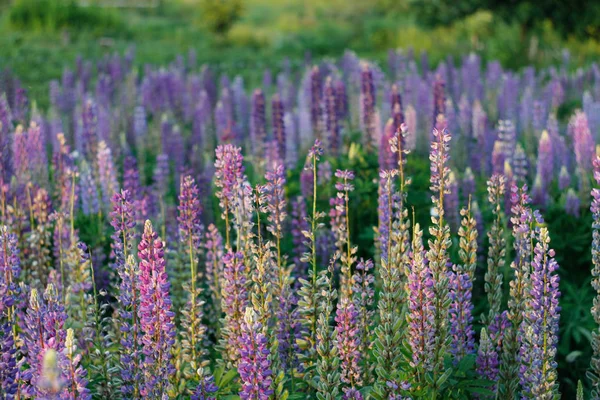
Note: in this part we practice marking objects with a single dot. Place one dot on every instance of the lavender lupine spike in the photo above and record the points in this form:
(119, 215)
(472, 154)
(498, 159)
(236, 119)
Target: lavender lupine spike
(583, 144)
(213, 246)
(20, 156)
(316, 96)
(234, 302)
(36, 148)
(258, 127)
(206, 389)
(539, 378)
(497, 248)
(545, 163)
(90, 202)
(364, 294)
(228, 176)
(76, 374)
(279, 134)
(368, 102)
(254, 366)
(594, 372)
(348, 343)
(487, 358)
(572, 203)
(564, 179)
(308, 303)
(523, 221)
(439, 104)
(328, 362)
(438, 246)
(461, 319)
(332, 117)
(421, 309)
(348, 253)
(451, 207)
(106, 173)
(155, 315)
(384, 210)
(299, 224)
(190, 237)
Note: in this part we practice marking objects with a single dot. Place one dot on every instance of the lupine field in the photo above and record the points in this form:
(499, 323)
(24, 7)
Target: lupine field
(342, 230)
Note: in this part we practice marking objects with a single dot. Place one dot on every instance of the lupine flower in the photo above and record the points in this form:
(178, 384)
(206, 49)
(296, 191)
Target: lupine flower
(316, 95)
(88, 191)
(545, 163)
(497, 249)
(387, 158)
(583, 144)
(106, 173)
(572, 203)
(299, 224)
(76, 374)
(20, 155)
(213, 246)
(451, 206)
(258, 127)
(234, 301)
(540, 325)
(364, 294)
(327, 343)
(155, 315)
(341, 99)
(332, 116)
(460, 314)
(487, 358)
(254, 364)
(206, 389)
(190, 237)
(594, 374)
(438, 248)
(564, 179)
(228, 177)
(279, 133)
(421, 307)
(348, 343)
(439, 103)
(367, 100)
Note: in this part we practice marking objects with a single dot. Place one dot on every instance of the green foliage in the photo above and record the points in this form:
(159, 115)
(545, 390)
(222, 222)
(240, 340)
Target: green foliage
(58, 15)
(220, 15)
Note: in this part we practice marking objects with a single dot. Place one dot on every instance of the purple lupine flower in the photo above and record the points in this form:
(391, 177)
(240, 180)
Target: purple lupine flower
(385, 203)
(421, 308)
(299, 224)
(254, 365)
(206, 389)
(131, 178)
(451, 202)
(43, 330)
(468, 183)
(279, 134)
(275, 202)
(572, 203)
(332, 116)
(438, 252)
(213, 246)
(20, 156)
(545, 163)
(228, 177)
(341, 99)
(36, 149)
(582, 141)
(90, 202)
(564, 179)
(363, 297)
(488, 362)
(595, 209)
(368, 102)
(90, 137)
(490, 347)
(161, 176)
(155, 315)
(10, 269)
(258, 127)
(123, 221)
(539, 194)
(520, 165)
(107, 175)
(461, 319)
(498, 158)
(439, 103)
(234, 301)
(9, 370)
(348, 342)
(5, 143)
(75, 372)
(387, 158)
(316, 96)
(540, 324)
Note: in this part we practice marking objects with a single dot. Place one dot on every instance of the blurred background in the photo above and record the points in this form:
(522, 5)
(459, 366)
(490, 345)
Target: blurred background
(38, 37)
